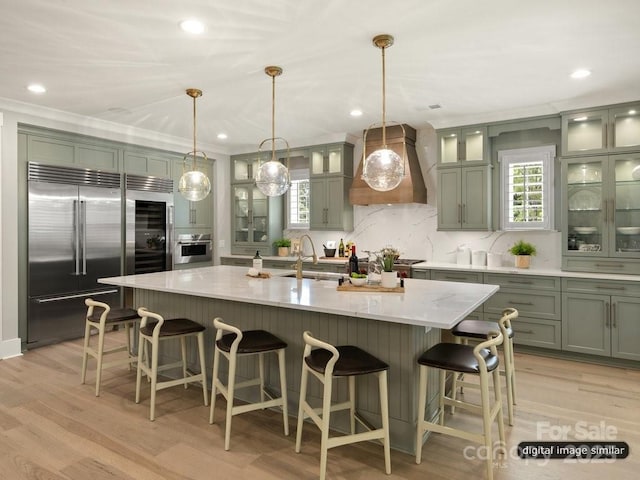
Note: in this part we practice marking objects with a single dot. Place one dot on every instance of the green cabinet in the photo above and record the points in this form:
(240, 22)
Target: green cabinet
(601, 318)
(601, 216)
(72, 151)
(145, 162)
(601, 130)
(464, 198)
(192, 215)
(331, 174)
(458, 146)
(244, 167)
(256, 220)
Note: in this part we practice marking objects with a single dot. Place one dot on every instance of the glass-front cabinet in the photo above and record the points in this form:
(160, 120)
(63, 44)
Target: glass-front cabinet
(457, 146)
(604, 130)
(602, 209)
(256, 220)
(244, 167)
(330, 160)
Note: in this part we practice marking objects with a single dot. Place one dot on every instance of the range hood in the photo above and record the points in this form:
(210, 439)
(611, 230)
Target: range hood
(411, 188)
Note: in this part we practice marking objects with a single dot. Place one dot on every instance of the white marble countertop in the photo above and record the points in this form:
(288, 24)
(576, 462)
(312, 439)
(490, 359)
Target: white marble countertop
(524, 271)
(425, 302)
(292, 259)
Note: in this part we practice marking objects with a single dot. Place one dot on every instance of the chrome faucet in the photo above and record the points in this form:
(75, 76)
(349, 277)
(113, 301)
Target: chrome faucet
(298, 264)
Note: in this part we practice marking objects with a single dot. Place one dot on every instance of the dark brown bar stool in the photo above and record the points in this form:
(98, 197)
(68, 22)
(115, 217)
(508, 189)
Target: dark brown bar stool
(480, 330)
(479, 360)
(327, 362)
(238, 343)
(151, 333)
(99, 316)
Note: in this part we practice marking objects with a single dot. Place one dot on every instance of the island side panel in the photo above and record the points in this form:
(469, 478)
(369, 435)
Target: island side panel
(397, 344)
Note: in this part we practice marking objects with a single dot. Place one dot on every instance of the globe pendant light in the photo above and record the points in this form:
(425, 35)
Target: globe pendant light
(383, 169)
(194, 185)
(272, 177)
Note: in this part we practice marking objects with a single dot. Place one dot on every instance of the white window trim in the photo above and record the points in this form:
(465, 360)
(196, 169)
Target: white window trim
(547, 155)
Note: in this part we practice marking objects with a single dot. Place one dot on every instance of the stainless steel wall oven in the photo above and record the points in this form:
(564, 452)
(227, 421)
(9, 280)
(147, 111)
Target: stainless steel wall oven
(193, 248)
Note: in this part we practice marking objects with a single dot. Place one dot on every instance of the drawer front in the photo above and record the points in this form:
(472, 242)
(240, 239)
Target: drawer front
(454, 276)
(528, 303)
(236, 262)
(535, 332)
(421, 274)
(604, 287)
(523, 281)
(627, 266)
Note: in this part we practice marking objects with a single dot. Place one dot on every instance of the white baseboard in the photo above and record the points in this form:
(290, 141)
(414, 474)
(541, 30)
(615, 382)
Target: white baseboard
(10, 348)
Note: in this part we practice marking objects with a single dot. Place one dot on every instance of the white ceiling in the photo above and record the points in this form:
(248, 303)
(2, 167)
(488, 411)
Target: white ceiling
(127, 61)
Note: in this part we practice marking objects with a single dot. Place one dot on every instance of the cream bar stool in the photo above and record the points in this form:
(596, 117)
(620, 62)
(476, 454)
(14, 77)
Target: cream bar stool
(153, 329)
(479, 360)
(231, 342)
(480, 330)
(327, 362)
(99, 316)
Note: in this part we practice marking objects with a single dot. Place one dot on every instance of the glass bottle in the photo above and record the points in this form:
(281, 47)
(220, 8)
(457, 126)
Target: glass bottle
(257, 261)
(353, 261)
(341, 249)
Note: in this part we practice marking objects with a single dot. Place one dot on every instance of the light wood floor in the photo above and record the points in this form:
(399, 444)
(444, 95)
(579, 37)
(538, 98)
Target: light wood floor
(51, 427)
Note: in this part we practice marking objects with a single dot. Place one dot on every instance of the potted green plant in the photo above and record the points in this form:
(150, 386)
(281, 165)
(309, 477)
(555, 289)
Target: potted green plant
(523, 251)
(387, 256)
(282, 244)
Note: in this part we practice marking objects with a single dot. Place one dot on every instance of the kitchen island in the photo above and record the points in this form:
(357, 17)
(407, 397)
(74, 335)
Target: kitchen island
(395, 327)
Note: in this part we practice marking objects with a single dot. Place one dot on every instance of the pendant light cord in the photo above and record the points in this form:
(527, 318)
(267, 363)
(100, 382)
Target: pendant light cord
(194, 132)
(384, 110)
(273, 118)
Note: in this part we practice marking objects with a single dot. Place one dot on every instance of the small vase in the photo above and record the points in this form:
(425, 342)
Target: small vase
(523, 261)
(283, 251)
(389, 279)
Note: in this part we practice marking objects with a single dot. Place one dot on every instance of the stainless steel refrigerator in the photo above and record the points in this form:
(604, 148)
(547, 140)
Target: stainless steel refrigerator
(75, 237)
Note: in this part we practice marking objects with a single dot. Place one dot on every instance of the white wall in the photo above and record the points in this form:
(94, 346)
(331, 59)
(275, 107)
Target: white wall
(15, 113)
(412, 228)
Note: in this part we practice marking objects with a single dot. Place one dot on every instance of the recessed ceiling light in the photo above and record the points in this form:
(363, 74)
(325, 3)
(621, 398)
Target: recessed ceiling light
(580, 119)
(356, 113)
(580, 73)
(222, 136)
(192, 25)
(36, 88)
(632, 112)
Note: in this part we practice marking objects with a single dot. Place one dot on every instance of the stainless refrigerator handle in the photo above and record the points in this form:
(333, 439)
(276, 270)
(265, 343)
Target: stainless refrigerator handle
(83, 208)
(169, 242)
(76, 211)
(80, 295)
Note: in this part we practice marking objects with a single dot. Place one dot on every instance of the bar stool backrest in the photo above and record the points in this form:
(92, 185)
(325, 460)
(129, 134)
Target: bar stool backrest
(311, 342)
(495, 339)
(224, 327)
(508, 314)
(145, 315)
(93, 304)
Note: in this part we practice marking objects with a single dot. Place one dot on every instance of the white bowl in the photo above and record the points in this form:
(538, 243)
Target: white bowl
(585, 229)
(358, 282)
(628, 230)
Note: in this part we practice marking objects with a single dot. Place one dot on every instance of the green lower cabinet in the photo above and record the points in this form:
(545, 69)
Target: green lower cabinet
(534, 332)
(601, 325)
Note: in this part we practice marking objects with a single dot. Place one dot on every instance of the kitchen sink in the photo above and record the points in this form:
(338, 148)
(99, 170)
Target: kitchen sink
(317, 275)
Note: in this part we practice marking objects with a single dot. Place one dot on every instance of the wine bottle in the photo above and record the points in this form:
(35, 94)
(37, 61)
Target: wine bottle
(353, 261)
(341, 249)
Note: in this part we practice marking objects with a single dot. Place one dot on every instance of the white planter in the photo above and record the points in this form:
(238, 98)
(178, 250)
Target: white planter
(389, 279)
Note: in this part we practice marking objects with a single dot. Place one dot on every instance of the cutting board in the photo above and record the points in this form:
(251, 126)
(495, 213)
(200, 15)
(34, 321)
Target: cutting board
(347, 287)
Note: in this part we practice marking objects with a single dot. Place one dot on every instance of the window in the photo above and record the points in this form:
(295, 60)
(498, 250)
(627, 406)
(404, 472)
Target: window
(298, 199)
(527, 188)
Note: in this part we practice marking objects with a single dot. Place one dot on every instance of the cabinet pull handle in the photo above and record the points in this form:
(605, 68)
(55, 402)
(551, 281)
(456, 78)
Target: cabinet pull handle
(522, 282)
(250, 217)
(613, 265)
(523, 331)
(464, 213)
(605, 287)
(605, 142)
(520, 303)
(459, 213)
(451, 277)
(613, 315)
(607, 318)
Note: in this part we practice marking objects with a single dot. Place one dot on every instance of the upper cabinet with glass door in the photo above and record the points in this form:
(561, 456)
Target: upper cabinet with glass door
(244, 167)
(602, 215)
(330, 160)
(460, 146)
(603, 130)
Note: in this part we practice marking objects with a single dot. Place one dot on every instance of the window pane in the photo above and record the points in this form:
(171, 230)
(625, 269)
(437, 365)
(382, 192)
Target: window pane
(299, 203)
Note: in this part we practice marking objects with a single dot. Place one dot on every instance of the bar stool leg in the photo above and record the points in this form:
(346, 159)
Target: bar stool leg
(154, 380)
(127, 330)
(443, 382)
(214, 382)
(352, 403)
(498, 399)
(261, 368)
(326, 418)
(183, 351)
(85, 354)
(283, 390)
(384, 412)
(303, 395)
(486, 422)
(99, 362)
(203, 368)
(422, 405)
(231, 385)
(142, 356)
